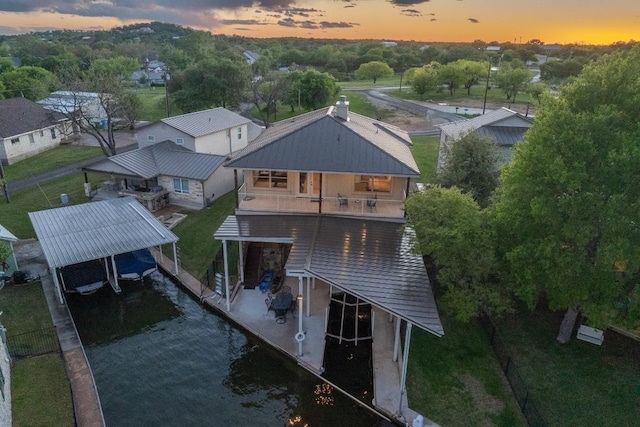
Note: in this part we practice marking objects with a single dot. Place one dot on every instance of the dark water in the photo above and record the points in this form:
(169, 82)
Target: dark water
(160, 359)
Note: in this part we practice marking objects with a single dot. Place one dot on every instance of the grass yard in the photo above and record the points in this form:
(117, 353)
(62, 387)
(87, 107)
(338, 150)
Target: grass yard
(393, 81)
(455, 380)
(55, 158)
(153, 103)
(425, 152)
(40, 393)
(14, 215)
(576, 384)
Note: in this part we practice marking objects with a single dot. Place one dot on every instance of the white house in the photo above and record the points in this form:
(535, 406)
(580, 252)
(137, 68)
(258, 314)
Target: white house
(69, 102)
(214, 131)
(27, 129)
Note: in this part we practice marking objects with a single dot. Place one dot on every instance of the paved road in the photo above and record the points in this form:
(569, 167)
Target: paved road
(420, 109)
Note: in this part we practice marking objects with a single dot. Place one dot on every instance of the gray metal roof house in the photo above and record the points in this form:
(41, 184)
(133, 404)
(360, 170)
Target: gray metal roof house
(324, 192)
(171, 172)
(505, 127)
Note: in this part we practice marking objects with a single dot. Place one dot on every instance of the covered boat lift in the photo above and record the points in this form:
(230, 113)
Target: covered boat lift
(371, 260)
(98, 230)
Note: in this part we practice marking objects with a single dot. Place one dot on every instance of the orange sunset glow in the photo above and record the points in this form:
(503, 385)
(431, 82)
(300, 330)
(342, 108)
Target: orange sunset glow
(567, 21)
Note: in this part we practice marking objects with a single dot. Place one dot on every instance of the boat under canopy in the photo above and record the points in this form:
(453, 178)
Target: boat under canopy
(135, 265)
(84, 278)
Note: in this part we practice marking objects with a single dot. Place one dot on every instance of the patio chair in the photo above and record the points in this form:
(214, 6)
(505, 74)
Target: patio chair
(343, 202)
(286, 289)
(371, 203)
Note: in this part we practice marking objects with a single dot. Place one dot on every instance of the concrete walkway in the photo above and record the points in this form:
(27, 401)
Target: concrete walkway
(86, 403)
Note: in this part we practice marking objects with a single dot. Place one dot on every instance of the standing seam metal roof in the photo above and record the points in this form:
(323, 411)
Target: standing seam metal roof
(79, 233)
(320, 141)
(164, 158)
(369, 259)
(458, 129)
(206, 122)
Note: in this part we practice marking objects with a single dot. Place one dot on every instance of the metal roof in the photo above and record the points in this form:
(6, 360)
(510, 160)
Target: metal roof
(503, 135)
(89, 231)
(7, 235)
(460, 128)
(206, 122)
(321, 141)
(164, 158)
(369, 259)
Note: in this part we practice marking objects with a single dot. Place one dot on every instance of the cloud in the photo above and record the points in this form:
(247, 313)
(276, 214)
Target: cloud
(242, 22)
(410, 12)
(473, 20)
(326, 24)
(407, 2)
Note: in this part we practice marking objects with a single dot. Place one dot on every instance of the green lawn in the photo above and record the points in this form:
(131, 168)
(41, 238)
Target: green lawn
(576, 384)
(14, 215)
(40, 393)
(393, 81)
(153, 103)
(55, 158)
(425, 152)
(494, 94)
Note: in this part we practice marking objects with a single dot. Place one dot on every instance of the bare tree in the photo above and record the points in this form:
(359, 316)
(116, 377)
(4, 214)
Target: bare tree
(265, 94)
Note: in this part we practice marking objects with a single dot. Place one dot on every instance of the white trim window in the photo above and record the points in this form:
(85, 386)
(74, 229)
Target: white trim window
(15, 140)
(181, 186)
(372, 183)
(180, 141)
(32, 140)
(239, 133)
(53, 133)
(151, 138)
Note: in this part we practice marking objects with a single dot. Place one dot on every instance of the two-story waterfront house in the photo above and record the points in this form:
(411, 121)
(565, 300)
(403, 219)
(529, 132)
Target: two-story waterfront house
(322, 207)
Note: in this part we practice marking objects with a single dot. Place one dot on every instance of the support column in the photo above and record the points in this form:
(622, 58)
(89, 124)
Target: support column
(175, 258)
(241, 260)
(226, 274)
(300, 335)
(308, 296)
(396, 339)
(405, 362)
(56, 282)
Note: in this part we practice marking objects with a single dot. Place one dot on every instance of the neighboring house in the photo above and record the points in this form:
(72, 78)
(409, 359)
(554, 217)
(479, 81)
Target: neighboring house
(148, 78)
(90, 104)
(251, 56)
(27, 129)
(215, 131)
(164, 173)
(504, 127)
(322, 207)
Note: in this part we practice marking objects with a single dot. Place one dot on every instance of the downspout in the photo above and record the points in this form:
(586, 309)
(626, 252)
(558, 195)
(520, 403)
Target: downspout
(320, 193)
(235, 185)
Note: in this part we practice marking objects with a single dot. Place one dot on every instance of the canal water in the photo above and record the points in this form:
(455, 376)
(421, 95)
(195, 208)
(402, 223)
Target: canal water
(161, 359)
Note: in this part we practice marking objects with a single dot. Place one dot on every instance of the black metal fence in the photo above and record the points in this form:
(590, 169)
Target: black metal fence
(214, 276)
(522, 395)
(35, 343)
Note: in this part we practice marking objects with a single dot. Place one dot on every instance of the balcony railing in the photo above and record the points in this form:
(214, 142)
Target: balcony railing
(347, 206)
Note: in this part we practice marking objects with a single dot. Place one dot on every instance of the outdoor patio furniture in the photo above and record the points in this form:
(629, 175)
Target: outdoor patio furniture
(371, 203)
(343, 202)
(282, 303)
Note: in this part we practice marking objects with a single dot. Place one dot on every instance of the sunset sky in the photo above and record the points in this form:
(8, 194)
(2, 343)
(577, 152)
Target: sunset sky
(552, 21)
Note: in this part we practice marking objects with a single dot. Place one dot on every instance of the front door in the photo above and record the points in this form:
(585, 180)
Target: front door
(309, 184)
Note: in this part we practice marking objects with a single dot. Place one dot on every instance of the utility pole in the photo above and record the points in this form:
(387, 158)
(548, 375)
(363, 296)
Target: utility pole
(3, 182)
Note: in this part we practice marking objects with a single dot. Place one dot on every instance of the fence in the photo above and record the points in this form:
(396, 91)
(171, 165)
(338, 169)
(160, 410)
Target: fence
(35, 343)
(214, 276)
(522, 395)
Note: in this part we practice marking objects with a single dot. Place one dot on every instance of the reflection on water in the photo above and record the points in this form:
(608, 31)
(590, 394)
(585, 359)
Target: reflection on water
(159, 358)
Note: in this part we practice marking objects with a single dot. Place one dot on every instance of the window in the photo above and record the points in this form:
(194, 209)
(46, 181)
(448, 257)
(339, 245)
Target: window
(377, 183)
(180, 141)
(41, 133)
(181, 185)
(53, 133)
(15, 140)
(239, 133)
(151, 138)
(31, 138)
(270, 179)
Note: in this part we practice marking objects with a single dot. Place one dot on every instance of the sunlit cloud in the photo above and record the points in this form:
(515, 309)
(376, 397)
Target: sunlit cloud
(410, 12)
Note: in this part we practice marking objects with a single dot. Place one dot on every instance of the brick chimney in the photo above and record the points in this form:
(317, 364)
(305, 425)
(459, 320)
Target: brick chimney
(342, 108)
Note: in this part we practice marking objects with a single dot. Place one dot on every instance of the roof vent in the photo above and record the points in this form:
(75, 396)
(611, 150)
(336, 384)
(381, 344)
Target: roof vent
(342, 108)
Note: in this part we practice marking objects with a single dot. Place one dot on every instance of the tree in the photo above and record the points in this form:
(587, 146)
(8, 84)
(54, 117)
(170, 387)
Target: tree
(424, 80)
(266, 92)
(209, 83)
(470, 164)
(567, 211)
(373, 70)
(537, 91)
(119, 107)
(452, 232)
(33, 83)
(473, 71)
(512, 80)
(452, 75)
(5, 253)
(311, 89)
